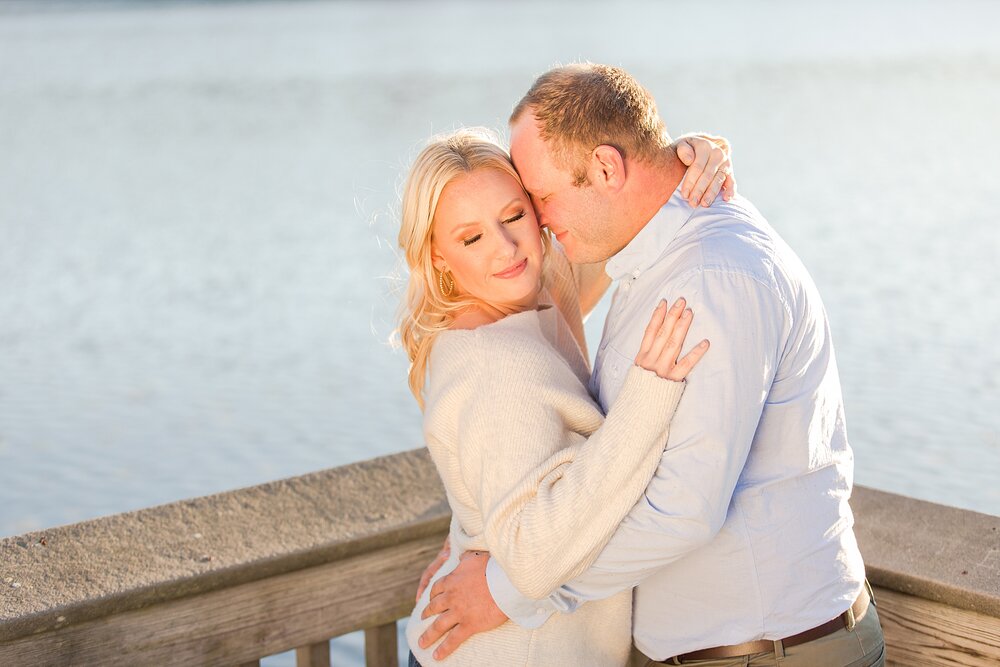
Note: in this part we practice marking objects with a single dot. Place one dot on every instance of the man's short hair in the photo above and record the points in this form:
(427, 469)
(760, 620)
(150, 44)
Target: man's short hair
(582, 106)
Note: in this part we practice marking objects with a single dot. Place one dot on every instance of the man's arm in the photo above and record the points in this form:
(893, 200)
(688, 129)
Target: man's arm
(685, 504)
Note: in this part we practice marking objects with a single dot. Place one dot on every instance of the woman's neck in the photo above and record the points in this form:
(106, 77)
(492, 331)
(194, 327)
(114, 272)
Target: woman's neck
(488, 313)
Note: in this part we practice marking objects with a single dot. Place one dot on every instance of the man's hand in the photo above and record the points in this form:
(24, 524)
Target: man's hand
(435, 565)
(464, 605)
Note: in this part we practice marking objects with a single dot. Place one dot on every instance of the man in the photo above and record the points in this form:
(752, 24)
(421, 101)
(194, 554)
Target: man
(742, 549)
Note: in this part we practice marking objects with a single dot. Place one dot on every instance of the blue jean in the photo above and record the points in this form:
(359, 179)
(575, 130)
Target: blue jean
(413, 660)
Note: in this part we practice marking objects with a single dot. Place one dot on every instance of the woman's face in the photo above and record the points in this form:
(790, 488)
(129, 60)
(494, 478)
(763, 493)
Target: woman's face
(486, 235)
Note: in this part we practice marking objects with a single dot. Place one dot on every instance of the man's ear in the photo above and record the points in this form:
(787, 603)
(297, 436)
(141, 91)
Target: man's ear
(607, 167)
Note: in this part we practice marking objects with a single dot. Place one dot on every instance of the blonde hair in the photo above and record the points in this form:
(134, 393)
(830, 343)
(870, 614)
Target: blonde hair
(426, 312)
(584, 105)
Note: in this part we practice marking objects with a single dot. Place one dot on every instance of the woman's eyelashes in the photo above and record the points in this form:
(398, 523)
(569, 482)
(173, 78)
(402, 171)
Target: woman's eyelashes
(472, 239)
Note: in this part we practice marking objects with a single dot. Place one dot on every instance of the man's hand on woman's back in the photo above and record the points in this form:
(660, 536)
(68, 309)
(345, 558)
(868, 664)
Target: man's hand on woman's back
(464, 605)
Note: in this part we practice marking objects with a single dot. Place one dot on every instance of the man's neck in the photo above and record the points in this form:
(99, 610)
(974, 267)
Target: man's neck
(651, 186)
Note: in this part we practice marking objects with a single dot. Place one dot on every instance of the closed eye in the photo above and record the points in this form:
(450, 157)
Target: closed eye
(472, 239)
(513, 219)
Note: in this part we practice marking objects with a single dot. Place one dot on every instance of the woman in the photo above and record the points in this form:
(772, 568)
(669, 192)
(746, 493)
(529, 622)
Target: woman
(493, 326)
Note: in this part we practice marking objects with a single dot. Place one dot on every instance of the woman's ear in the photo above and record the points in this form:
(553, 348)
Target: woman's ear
(607, 167)
(437, 260)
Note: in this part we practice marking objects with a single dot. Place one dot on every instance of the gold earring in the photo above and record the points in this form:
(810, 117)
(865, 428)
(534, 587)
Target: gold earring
(450, 284)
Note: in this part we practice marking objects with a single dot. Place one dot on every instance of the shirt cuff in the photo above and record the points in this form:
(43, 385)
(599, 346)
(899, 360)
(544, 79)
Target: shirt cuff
(527, 613)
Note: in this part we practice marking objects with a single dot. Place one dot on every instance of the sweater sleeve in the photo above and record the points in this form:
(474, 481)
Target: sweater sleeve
(551, 497)
(561, 279)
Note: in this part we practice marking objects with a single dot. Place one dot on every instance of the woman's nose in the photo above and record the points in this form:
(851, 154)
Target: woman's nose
(507, 243)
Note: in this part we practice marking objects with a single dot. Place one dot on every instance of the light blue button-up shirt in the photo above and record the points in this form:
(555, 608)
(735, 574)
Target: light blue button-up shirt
(745, 531)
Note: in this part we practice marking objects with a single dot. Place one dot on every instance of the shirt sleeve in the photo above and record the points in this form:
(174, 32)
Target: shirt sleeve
(686, 502)
(532, 473)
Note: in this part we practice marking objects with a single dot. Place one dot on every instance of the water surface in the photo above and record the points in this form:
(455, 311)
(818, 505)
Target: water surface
(196, 227)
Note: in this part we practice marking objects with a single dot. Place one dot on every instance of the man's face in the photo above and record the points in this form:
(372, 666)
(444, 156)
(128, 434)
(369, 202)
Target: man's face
(578, 216)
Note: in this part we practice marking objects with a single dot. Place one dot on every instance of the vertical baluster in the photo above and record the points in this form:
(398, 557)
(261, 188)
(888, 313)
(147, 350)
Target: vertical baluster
(313, 655)
(380, 646)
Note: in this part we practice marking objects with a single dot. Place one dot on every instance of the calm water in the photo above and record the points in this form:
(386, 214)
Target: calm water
(196, 229)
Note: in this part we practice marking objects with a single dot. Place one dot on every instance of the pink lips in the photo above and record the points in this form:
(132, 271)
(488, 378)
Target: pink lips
(513, 271)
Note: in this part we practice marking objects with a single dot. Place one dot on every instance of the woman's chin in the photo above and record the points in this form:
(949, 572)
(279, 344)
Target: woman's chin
(516, 294)
(525, 301)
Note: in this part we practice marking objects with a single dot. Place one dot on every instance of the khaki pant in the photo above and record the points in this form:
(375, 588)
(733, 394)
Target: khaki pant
(861, 647)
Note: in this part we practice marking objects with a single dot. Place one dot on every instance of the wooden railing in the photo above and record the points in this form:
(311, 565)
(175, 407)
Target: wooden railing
(230, 578)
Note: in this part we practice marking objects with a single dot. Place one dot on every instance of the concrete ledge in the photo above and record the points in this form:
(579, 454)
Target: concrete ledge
(64, 576)
(54, 579)
(930, 551)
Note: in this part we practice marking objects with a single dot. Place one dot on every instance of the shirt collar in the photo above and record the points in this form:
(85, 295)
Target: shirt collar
(649, 244)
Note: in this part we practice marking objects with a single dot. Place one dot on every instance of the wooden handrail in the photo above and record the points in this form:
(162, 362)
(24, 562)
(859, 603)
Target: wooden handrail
(236, 576)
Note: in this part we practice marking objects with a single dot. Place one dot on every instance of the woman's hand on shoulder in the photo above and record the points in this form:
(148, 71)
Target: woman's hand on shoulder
(710, 168)
(663, 340)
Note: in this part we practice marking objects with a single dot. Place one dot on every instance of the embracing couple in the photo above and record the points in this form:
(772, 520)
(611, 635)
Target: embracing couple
(690, 497)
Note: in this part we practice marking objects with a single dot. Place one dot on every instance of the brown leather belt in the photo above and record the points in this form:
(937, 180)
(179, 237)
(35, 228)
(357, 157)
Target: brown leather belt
(846, 620)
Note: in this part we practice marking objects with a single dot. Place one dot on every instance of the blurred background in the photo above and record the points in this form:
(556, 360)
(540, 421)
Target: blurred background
(198, 275)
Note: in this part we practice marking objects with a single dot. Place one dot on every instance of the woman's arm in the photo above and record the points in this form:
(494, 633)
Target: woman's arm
(551, 498)
(591, 284)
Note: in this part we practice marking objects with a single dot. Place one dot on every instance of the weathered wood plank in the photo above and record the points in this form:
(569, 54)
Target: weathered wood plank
(251, 663)
(380, 646)
(923, 632)
(314, 655)
(240, 624)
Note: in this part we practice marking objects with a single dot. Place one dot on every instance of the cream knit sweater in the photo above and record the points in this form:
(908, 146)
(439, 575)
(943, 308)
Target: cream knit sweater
(536, 475)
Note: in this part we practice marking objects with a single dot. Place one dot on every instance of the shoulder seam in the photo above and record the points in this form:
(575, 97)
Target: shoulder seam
(735, 271)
